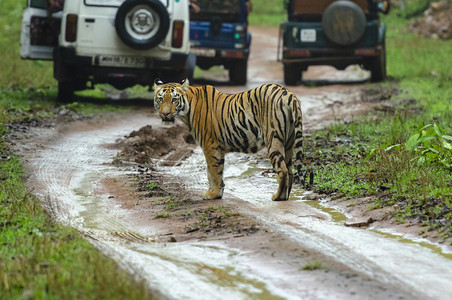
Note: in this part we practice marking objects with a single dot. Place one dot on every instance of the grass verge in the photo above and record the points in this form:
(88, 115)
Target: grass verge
(41, 259)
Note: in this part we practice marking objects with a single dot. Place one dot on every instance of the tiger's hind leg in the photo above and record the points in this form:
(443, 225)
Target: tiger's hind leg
(215, 167)
(279, 165)
(288, 160)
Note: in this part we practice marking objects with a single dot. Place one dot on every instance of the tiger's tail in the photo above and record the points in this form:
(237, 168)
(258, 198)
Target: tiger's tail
(299, 175)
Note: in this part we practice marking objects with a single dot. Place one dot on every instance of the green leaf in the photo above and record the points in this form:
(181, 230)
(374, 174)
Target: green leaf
(395, 147)
(438, 129)
(447, 145)
(372, 152)
(412, 142)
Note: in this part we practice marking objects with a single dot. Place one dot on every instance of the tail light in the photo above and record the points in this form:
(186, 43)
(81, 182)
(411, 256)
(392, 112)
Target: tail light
(71, 28)
(178, 34)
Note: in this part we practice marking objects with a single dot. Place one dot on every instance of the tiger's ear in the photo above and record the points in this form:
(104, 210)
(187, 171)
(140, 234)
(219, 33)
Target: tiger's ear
(157, 82)
(185, 83)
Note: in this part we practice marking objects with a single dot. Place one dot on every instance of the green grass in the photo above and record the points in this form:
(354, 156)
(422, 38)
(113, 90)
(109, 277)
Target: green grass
(417, 182)
(267, 12)
(14, 71)
(40, 259)
(315, 265)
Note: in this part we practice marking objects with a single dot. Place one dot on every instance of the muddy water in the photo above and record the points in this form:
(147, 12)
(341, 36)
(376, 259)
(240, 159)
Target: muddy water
(313, 226)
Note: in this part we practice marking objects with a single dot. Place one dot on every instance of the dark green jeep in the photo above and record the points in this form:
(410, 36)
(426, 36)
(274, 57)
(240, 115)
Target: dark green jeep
(336, 33)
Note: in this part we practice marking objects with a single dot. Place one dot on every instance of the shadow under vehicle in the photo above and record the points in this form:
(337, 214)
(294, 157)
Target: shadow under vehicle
(219, 36)
(337, 33)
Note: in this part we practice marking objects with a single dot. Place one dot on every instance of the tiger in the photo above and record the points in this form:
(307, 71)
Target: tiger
(269, 115)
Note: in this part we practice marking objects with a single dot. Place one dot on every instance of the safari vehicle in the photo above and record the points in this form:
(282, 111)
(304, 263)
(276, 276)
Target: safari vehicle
(336, 33)
(120, 42)
(219, 36)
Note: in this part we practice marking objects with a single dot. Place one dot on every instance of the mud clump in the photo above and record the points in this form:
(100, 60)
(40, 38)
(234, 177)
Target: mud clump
(436, 23)
(147, 143)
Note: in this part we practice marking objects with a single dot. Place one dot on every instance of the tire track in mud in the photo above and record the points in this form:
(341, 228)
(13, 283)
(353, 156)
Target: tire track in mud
(377, 257)
(67, 174)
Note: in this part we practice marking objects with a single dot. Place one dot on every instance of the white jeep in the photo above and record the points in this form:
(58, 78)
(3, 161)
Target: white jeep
(120, 42)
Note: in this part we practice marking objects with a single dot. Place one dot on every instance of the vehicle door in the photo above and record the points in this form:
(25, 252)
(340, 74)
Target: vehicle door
(39, 31)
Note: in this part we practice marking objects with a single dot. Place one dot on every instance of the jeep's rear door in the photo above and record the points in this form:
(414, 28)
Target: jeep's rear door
(218, 24)
(39, 32)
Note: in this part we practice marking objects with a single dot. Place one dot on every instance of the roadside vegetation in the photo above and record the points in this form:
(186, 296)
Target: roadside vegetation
(39, 258)
(402, 156)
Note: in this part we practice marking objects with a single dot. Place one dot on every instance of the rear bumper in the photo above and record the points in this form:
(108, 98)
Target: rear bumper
(336, 57)
(207, 57)
(68, 66)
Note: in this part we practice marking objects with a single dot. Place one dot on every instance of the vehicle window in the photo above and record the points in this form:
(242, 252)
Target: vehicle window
(226, 10)
(309, 7)
(38, 3)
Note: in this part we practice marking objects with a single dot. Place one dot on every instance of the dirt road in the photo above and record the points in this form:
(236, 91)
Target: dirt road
(140, 204)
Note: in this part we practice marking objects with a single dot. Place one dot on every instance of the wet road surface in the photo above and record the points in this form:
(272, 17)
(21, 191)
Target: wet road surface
(361, 264)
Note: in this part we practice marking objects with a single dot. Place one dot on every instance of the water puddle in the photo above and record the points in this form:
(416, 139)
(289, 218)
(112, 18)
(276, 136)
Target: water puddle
(321, 228)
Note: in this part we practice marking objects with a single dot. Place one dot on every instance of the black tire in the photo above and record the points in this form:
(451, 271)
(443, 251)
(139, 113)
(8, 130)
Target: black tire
(344, 22)
(65, 91)
(139, 35)
(292, 74)
(67, 88)
(238, 72)
(377, 67)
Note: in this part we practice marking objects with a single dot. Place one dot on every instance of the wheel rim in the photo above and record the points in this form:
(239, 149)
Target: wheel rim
(141, 22)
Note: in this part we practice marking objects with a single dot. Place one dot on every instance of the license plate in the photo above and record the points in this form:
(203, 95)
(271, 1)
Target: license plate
(203, 52)
(122, 61)
(308, 35)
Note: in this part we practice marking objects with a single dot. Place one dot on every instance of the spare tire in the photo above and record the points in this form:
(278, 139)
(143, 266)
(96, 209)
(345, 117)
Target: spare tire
(344, 22)
(142, 24)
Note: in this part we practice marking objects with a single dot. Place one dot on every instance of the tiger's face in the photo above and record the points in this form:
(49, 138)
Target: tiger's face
(170, 100)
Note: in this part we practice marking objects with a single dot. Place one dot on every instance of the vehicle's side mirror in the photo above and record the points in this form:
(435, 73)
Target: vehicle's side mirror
(384, 6)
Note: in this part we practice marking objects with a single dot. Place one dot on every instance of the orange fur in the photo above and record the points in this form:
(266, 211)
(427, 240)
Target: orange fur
(269, 115)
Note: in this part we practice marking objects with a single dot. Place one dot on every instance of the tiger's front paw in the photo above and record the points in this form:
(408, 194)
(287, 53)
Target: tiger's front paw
(209, 195)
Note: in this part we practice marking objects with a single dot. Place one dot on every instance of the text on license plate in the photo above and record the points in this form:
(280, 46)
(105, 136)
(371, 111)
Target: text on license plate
(203, 52)
(122, 61)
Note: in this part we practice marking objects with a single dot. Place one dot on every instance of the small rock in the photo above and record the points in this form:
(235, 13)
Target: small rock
(359, 222)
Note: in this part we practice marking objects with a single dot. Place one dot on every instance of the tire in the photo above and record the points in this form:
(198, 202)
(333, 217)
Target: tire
(238, 72)
(65, 91)
(142, 24)
(292, 74)
(378, 67)
(344, 22)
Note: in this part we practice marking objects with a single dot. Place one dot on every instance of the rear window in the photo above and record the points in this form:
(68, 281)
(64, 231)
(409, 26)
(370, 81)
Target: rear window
(226, 10)
(310, 7)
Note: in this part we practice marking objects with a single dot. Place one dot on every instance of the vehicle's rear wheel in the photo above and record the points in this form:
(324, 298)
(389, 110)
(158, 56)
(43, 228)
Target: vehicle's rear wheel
(377, 67)
(142, 24)
(238, 72)
(67, 88)
(65, 91)
(292, 74)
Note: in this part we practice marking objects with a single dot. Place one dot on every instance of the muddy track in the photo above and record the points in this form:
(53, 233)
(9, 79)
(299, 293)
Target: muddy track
(241, 247)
